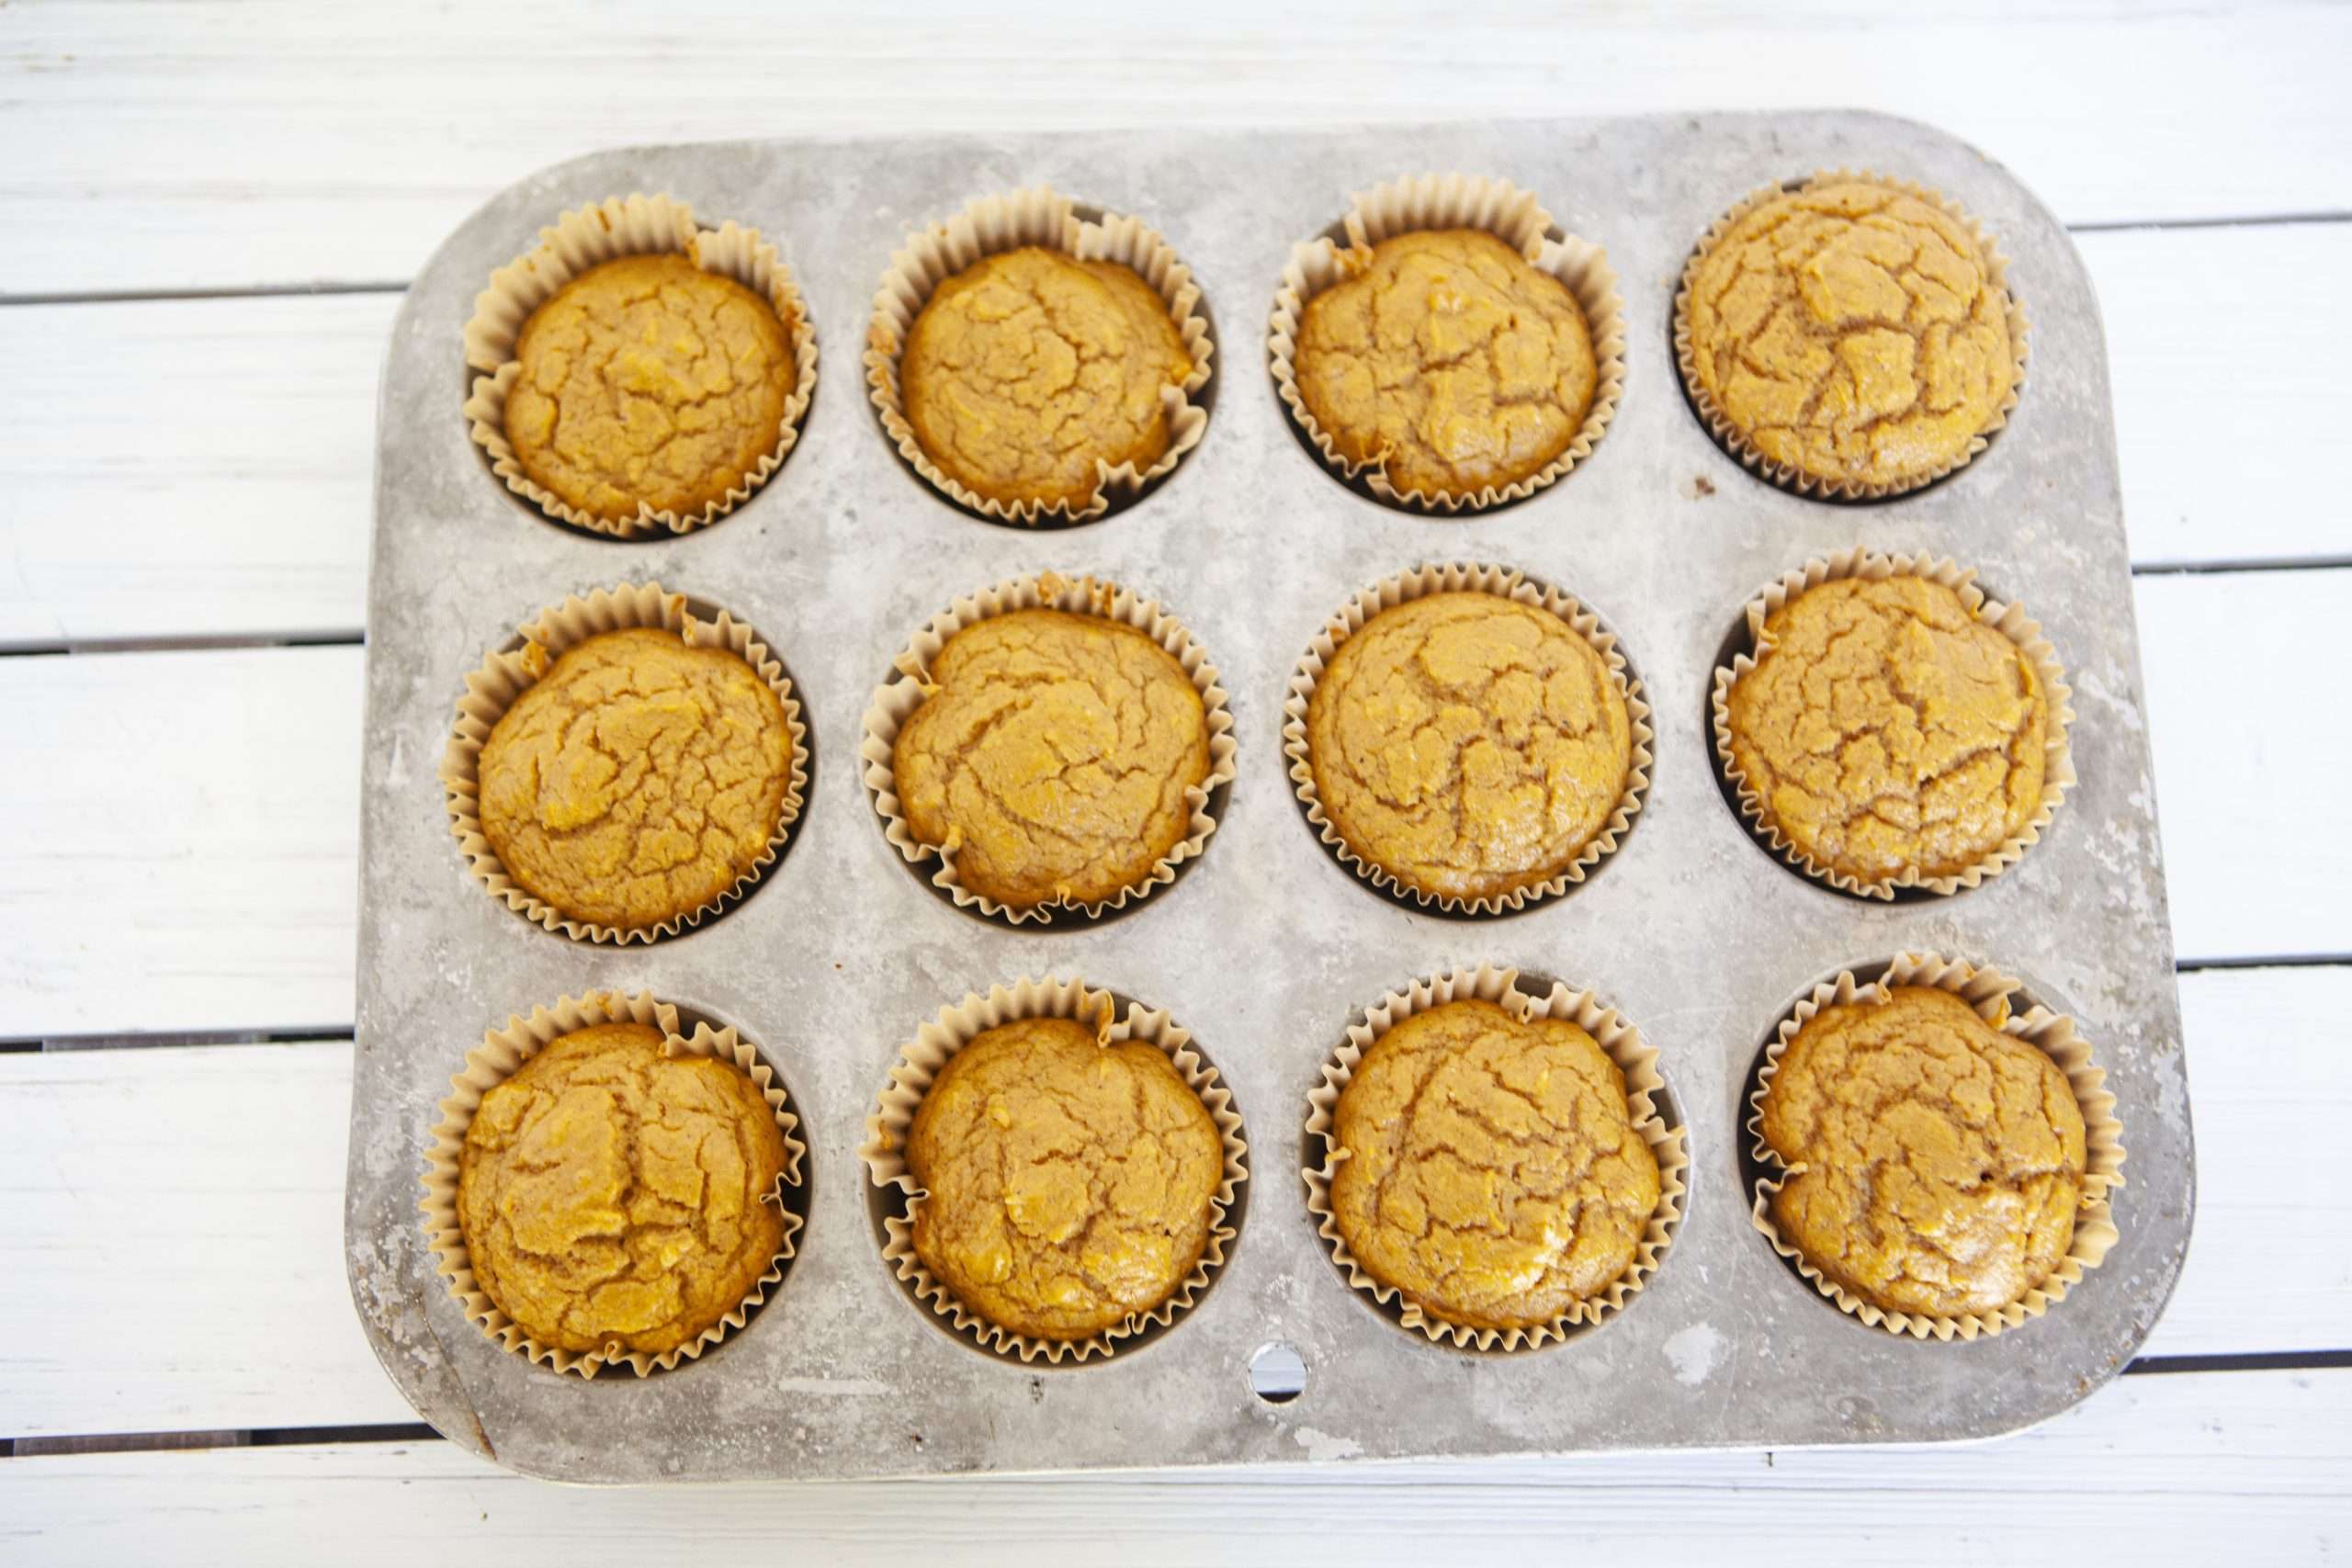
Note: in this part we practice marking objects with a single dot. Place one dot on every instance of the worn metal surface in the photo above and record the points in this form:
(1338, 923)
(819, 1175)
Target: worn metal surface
(1266, 946)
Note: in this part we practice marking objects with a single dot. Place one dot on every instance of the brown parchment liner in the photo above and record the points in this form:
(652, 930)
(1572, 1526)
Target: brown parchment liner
(1729, 436)
(1615, 1036)
(1452, 201)
(896, 700)
(504, 676)
(1988, 991)
(492, 1063)
(919, 1061)
(2057, 756)
(991, 225)
(1454, 577)
(587, 237)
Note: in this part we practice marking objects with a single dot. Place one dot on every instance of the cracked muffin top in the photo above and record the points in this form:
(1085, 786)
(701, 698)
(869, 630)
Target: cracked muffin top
(1851, 332)
(612, 1196)
(1889, 734)
(1467, 744)
(1051, 757)
(637, 780)
(1493, 1173)
(1070, 1182)
(1028, 370)
(1943, 1160)
(1448, 362)
(649, 381)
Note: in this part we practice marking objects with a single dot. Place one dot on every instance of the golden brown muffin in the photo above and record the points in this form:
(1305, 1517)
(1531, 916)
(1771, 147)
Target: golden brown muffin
(1493, 1175)
(610, 1195)
(1070, 1183)
(1448, 362)
(1029, 369)
(637, 780)
(1467, 744)
(1051, 757)
(1944, 1159)
(1851, 332)
(649, 379)
(1887, 733)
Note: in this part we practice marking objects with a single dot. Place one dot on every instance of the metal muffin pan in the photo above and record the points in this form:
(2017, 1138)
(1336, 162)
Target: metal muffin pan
(1266, 946)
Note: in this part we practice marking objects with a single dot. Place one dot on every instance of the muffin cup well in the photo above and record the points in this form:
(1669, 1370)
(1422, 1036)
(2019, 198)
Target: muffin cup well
(1614, 1033)
(1506, 584)
(1452, 201)
(1988, 991)
(590, 236)
(896, 700)
(911, 1076)
(504, 676)
(991, 225)
(2057, 763)
(501, 1053)
(1729, 435)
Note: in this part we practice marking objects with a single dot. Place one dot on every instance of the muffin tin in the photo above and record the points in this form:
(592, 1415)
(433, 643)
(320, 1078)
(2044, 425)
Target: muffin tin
(1265, 948)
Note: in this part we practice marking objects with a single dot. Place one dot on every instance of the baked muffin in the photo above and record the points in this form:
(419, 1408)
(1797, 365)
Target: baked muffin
(638, 781)
(1027, 371)
(1051, 757)
(1467, 744)
(1448, 362)
(647, 380)
(615, 1199)
(1888, 734)
(1070, 1183)
(1942, 1160)
(1852, 331)
(1493, 1177)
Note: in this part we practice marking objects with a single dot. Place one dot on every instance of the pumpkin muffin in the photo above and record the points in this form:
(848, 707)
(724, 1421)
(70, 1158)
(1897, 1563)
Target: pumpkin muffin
(615, 1199)
(1069, 1184)
(647, 381)
(1852, 331)
(637, 780)
(1493, 1175)
(1467, 744)
(1888, 734)
(1052, 756)
(1448, 362)
(1938, 1163)
(1029, 371)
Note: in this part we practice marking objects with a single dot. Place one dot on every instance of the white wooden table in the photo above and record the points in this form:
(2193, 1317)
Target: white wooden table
(207, 212)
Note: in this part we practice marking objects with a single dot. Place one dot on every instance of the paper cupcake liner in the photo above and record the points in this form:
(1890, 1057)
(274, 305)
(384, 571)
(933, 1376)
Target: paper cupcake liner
(1728, 436)
(2058, 760)
(991, 225)
(1615, 1034)
(500, 1054)
(1504, 582)
(588, 237)
(1988, 991)
(1452, 201)
(505, 675)
(896, 700)
(918, 1063)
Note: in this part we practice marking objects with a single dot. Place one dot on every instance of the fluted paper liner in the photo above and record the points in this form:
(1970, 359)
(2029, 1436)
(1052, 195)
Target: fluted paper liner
(504, 676)
(911, 1076)
(588, 237)
(991, 225)
(1729, 435)
(2057, 757)
(1455, 577)
(496, 1059)
(1452, 201)
(896, 700)
(1614, 1033)
(1989, 992)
